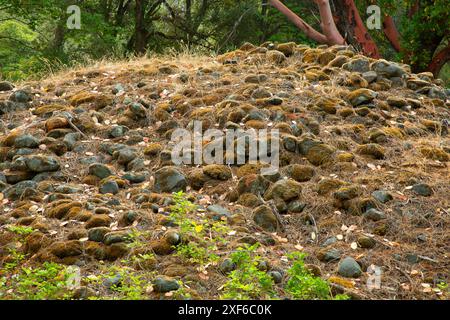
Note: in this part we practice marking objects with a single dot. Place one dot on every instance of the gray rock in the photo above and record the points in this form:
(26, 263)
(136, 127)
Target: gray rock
(412, 258)
(49, 175)
(172, 237)
(257, 186)
(100, 170)
(169, 179)
(357, 65)
(112, 281)
(98, 234)
(290, 143)
(296, 206)
(20, 96)
(366, 242)
(26, 141)
(16, 191)
(138, 110)
(117, 131)
(135, 177)
(382, 196)
(109, 187)
(349, 268)
(125, 155)
(118, 88)
(285, 189)
(436, 93)
(227, 265)
(3, 186)
(71, 139)
(6, 86)
(6, 107)
(218, 211)
(374, 214)
(22, 152)
(90, 160)
(40, 163)
(370, 76)
(329, 241)
(138, 164)
(265, 218)
(387, 69)
(68, 189)
(275, 101)
(422, 189)
(276, 276)
(328, 255)
(115, 237)
(164, 284)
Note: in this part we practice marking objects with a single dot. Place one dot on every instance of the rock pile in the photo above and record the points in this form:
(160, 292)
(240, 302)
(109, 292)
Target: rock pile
(86, 162)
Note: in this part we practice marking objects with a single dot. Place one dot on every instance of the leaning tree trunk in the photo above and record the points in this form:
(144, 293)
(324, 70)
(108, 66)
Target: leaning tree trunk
(298, 22)
(439, 60)
(391, 33)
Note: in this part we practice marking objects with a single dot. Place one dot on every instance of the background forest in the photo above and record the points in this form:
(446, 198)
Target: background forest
(35, 39)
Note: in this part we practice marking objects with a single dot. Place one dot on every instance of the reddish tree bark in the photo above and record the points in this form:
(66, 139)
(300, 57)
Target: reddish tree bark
(415, 7)
(357, 29)
(391, 33)
(439, 60)
(327, 23)
(348, 16)
(300, 23)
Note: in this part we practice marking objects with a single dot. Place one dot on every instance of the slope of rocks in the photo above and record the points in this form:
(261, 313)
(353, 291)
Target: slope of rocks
(85, 159)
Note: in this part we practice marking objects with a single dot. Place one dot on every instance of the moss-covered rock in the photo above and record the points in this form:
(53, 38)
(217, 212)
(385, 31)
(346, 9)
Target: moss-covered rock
(285, 189)
(320, 154)
(372, 150)
(218, 171)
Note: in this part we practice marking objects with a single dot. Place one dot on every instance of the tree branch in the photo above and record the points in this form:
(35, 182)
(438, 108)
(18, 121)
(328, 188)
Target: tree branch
(327, 23)
(301, 24)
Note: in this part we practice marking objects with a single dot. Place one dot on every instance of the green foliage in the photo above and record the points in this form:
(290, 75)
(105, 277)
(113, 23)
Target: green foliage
(203, 235)
(15, 259)
(195, 253)
(20, 230)
(301, 284)
(49, 281)
(304, 285)
(131, 286)
(247, 281)
(137, 238)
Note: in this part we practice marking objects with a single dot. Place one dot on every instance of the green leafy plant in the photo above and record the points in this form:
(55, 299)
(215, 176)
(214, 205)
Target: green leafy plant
(20, 230)
(247, 281)
(49, 281)
(137, 238)
(131, 285)
(302, 284)
(195, 253)
(15, 259)
(203, 234)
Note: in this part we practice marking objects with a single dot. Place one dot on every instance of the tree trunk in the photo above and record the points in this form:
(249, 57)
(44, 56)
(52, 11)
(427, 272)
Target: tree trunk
(391, 33)
(439, 60)
(327, 23)
(188, 18)
(140, 32)
(58, 40)
(352, 27)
